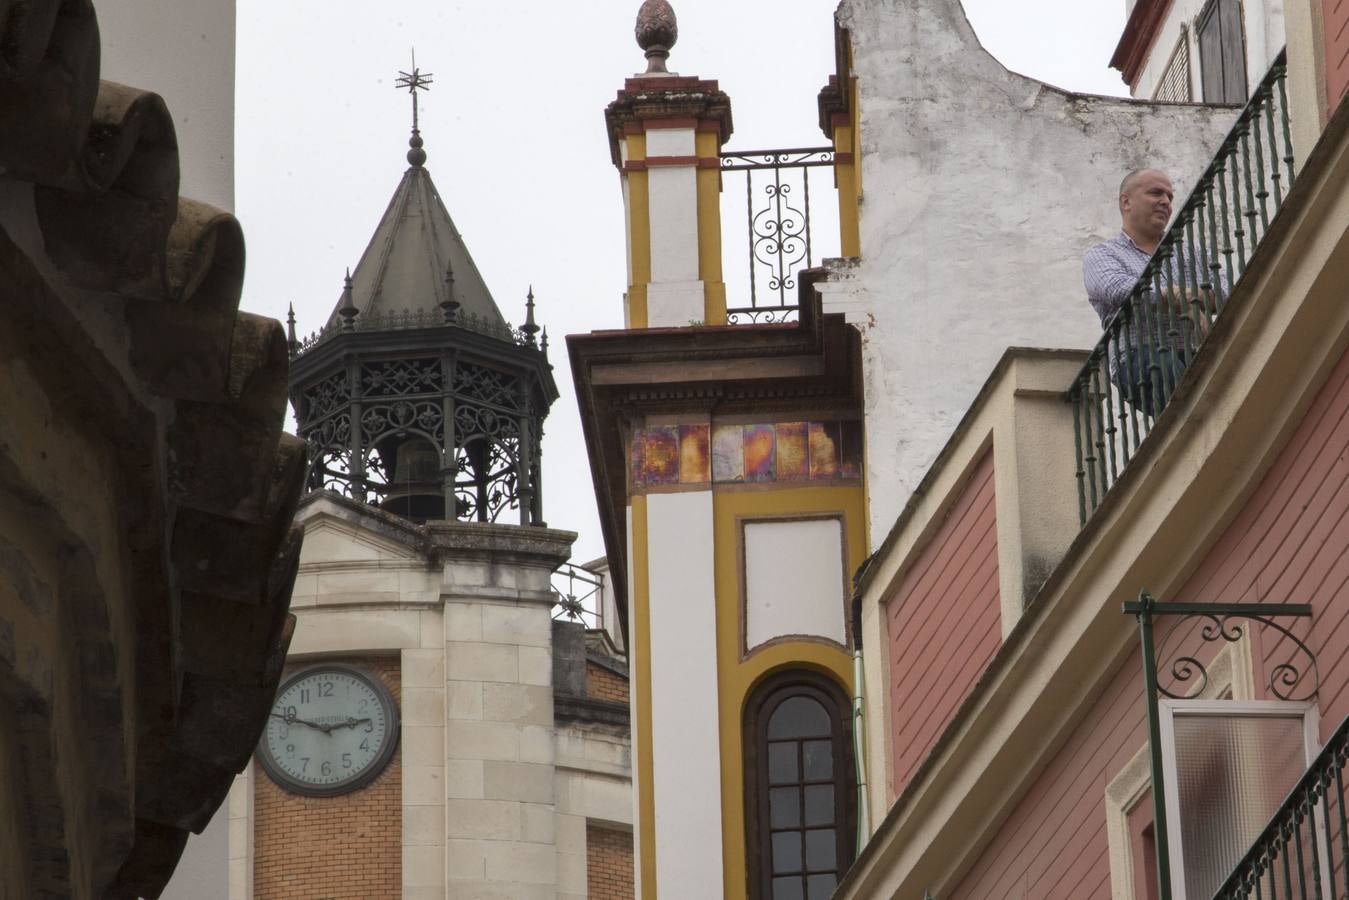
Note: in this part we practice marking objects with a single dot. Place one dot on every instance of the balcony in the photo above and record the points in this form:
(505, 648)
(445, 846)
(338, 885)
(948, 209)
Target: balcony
(781, 228)
(1141, 360)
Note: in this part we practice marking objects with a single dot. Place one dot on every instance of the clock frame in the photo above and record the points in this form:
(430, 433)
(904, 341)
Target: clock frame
(319, 719)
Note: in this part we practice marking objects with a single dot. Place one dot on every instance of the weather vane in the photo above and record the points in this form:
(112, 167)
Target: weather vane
(414, 81)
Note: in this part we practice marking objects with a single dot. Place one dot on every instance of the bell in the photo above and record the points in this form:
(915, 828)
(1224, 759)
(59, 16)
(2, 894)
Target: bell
(415, 490)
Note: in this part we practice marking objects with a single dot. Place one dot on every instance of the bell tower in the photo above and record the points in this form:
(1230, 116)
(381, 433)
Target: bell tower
(416, 396)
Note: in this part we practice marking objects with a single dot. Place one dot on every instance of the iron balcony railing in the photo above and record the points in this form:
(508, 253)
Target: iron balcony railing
(1304, 851)
(1134, 369)
(780, 225)
(578, 596)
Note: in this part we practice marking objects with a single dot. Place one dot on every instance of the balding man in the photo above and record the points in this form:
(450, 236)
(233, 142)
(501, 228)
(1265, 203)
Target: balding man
(1112, 268)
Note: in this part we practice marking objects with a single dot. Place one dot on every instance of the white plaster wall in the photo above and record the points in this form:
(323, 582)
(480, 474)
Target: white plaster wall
(1263, 21)
(634, 668)
(982, 191)
(675, 295)
(793, 580)
(686, 742)
(182, 50)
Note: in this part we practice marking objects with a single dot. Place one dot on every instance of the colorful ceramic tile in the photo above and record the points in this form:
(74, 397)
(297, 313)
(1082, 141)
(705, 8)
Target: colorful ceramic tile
(793, 460)
(824, 439)
(660, 455)
(759, 461)
(728, 453)
(850, 456)
(695, 456)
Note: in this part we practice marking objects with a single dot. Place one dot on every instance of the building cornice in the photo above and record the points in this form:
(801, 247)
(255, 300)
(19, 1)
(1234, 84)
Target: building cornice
(1140, 33)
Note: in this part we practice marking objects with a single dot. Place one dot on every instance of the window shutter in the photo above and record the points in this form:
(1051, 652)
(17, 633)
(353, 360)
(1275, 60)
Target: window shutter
(1335, 17)
(1222, 52)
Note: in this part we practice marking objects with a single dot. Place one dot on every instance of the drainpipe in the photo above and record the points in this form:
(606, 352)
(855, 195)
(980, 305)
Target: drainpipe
(859, 731)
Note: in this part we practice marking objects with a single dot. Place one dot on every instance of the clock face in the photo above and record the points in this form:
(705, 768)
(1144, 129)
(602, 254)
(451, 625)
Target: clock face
(331, 730)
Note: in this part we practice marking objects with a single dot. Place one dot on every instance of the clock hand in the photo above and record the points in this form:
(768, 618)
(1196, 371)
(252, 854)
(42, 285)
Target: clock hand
(351, 723)
(293, 719)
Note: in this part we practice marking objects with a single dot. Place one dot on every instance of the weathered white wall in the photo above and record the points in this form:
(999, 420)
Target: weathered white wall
(983, 189)
(1263, 22)
(182, 50)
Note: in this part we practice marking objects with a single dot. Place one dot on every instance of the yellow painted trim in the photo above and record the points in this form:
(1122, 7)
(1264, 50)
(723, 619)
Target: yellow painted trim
(846, 176)
(707, 145)
(641, 736)
(736, 677)
(639, 234)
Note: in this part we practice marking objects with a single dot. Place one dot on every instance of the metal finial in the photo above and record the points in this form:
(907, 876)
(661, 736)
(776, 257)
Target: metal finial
(414, 81)
(347, 310)
(529, 328)
(449, 306)
(292, 344)
(544, 346)
(656, 31)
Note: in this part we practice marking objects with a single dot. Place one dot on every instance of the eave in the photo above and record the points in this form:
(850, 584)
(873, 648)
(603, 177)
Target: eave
(811, 364)
(1140, 32)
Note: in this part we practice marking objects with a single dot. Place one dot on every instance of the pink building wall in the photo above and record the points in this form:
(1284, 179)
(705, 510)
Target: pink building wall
(1290, 543)
(943, 623)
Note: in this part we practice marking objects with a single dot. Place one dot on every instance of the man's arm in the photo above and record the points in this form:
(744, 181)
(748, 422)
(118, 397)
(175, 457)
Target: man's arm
(1108, 281)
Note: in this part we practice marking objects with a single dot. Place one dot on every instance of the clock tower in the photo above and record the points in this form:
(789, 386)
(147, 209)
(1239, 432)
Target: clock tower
(436, 732)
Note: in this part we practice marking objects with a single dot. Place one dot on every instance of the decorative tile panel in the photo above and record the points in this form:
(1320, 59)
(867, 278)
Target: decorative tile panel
(756, 453)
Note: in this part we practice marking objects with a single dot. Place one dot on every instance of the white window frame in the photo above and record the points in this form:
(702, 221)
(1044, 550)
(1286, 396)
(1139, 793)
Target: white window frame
(1169, 709)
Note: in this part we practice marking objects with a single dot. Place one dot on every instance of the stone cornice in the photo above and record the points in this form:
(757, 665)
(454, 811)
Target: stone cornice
(647, 102)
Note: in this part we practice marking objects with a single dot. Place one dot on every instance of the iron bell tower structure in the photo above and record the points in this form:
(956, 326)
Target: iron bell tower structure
(417, 396)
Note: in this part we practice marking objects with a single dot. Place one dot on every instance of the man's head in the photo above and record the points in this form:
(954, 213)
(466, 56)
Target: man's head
(1145, 205)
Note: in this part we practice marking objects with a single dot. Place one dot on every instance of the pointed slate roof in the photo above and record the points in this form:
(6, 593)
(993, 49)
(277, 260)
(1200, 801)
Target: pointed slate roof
(404, 265)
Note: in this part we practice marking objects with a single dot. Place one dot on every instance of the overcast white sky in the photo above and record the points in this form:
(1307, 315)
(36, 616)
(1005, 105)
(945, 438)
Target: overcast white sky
(514, 130)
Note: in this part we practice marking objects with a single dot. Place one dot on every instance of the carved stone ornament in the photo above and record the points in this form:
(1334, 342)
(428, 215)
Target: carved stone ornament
(656, 33)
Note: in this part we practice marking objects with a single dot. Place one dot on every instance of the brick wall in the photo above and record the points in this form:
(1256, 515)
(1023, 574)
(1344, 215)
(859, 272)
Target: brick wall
(604, 684)
(337, 848)
(609, 868)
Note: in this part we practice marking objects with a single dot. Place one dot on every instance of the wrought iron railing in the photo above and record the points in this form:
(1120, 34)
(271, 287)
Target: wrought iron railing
(398, 320)
(778, 222)
(1134, 369)
(1304, 851)
(579, 596)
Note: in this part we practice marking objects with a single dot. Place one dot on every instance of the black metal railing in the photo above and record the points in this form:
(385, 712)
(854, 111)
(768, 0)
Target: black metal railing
(777, 218)
(1304, 850)
(1136, 366)
(578, 596)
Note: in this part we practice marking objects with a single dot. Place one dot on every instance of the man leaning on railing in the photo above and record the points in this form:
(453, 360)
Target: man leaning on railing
(1158, 333)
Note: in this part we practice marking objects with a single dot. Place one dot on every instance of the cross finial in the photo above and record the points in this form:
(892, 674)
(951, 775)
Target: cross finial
(413, 82)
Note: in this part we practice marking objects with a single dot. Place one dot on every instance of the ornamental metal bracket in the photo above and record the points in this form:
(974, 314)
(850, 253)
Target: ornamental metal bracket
(1187, 669)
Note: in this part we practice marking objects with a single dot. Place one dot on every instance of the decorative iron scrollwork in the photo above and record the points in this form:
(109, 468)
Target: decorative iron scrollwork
(763, 315)
(1284, 677)
(399, 378)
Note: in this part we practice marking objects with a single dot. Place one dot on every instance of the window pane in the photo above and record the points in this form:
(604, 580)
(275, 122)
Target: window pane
(1232, 773)
(788, 888)
(798, 717)
(819, 887)
(820, 854)
(784, 807)
(786, 852)
(820, 804)
(782, 764)
(819, 757)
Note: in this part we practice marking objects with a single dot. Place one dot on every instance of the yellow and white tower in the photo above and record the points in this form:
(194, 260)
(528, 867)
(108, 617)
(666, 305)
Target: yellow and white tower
(727, 464)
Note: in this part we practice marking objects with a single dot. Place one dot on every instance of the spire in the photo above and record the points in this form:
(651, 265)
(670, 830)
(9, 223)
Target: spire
(529, 328)
(347, 310)
(544, 347)
(414, 81)
(292, 345)
(656, 31)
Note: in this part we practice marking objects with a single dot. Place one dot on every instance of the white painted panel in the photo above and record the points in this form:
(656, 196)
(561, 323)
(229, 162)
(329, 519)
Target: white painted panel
(182, 50)
(794, 580)
(673, 193)
(686, 758)
(633, 668)
(676, 303)
(670, 142)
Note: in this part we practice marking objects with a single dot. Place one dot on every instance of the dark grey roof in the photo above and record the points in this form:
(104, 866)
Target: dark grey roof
(404, 266)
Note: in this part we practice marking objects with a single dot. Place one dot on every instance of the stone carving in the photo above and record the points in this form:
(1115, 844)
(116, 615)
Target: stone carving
(656, 31)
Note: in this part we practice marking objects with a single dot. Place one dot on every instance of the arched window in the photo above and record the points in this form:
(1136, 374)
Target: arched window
(799, 787)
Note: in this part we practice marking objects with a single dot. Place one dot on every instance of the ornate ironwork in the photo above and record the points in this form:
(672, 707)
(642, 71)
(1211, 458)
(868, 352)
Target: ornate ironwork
(1185, 668)
(578, 595)
(1284, 677)
(1304, 850)
(400, 320)
(1135, 367)
(780, 239)
(767, 315)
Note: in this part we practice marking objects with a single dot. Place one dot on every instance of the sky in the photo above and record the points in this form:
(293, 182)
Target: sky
(516, 143)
